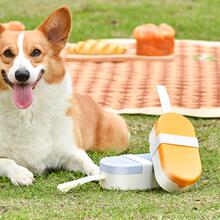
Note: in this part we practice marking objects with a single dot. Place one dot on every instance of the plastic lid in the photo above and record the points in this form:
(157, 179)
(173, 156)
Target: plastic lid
(122, 165)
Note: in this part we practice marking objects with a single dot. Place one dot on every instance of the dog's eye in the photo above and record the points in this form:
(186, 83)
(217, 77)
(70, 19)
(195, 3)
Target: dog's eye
(36, 53)
(8, 54)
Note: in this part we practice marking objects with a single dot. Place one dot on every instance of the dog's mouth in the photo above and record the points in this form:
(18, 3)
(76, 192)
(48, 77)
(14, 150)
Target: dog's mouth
(22, 92)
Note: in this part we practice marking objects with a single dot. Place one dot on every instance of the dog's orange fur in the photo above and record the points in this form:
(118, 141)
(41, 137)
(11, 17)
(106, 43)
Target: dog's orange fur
(3, 87)
(50, 56)
(7, 40)
(95, 129)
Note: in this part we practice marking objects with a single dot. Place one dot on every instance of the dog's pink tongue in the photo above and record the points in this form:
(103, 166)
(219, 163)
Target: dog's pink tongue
(22, 95)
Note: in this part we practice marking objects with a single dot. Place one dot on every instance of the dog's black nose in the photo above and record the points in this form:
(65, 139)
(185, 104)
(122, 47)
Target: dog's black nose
(22, 75)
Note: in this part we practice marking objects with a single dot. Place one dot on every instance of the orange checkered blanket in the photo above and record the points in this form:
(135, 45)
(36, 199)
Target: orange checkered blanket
(192, 79)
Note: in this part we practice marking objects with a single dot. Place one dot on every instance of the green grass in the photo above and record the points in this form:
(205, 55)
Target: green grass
(100, 19)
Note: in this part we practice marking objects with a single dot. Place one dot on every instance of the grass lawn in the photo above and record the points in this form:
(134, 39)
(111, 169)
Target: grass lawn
(117, 18)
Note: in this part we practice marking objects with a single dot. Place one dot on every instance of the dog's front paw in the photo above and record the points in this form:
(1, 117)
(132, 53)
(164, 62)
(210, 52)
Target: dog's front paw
(92, 170)
(21, 176)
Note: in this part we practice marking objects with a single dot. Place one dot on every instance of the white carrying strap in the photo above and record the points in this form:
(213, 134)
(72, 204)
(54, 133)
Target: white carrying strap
(162, 138)
(172, 139)
(135, 158)
(144, 162)
(65, 187)
(164, 99)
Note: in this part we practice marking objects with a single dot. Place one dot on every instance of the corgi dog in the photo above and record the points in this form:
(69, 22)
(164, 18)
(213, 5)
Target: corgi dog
(43, 124)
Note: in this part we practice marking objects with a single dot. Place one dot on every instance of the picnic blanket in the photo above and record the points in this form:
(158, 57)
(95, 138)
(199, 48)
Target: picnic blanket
(192, 79)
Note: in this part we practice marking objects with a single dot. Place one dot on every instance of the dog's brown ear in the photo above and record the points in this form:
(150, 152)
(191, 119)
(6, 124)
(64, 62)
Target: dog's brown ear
(56, 27)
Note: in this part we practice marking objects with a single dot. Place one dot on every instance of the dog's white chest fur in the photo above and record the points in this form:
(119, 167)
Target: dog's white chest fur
(39, 137)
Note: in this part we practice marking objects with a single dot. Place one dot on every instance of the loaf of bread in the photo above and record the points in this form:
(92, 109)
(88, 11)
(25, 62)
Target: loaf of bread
(154, 40)
(94, 47)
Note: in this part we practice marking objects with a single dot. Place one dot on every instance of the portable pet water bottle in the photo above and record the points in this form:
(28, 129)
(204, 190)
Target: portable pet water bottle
(125, 172)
